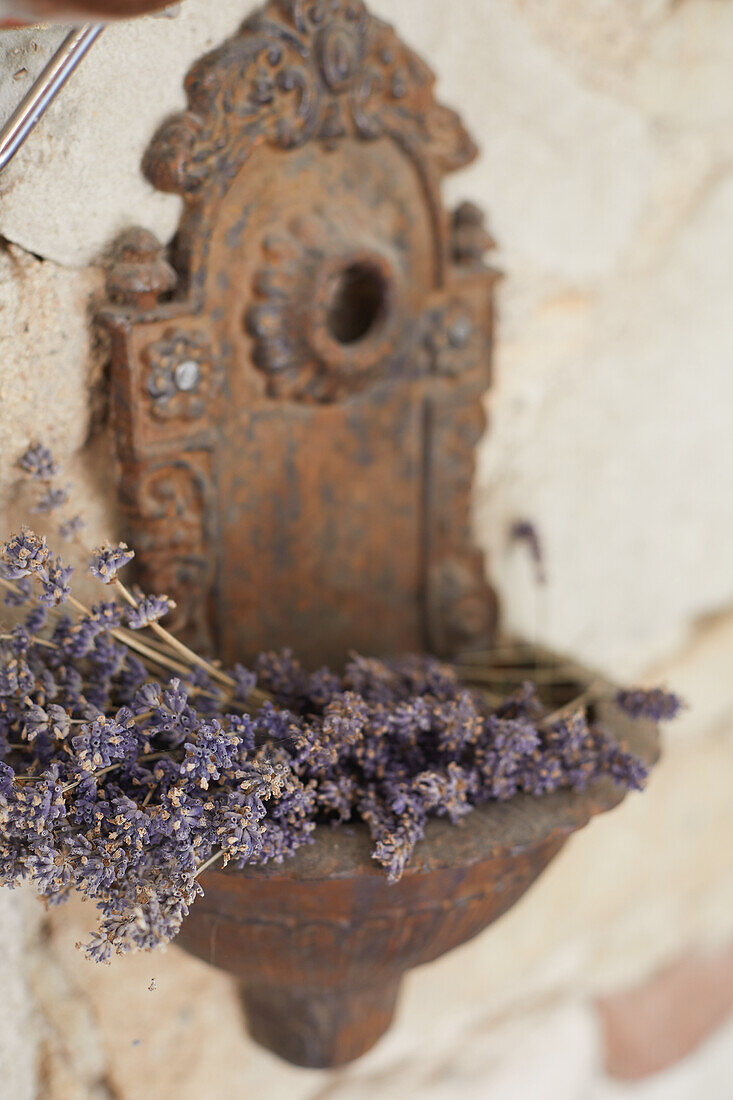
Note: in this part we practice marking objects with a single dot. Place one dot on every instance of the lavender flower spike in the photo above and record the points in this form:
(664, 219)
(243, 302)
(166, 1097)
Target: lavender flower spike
(71, 527)
(149, 610)
(656, 704)
(108, 560)
(53, 498)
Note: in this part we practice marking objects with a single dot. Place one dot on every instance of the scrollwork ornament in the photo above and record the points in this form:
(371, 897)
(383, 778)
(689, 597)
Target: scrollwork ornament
(298, 71)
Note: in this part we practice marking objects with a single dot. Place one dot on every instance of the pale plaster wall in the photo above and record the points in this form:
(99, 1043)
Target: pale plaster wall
(607, 172)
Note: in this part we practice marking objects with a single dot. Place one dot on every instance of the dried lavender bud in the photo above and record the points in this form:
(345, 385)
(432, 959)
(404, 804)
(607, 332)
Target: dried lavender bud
(71, 527)
(108, 560)
(55, 586)
(246, 682)
(656, 704)
(36, 619)
(50, 500)
(39, 463)
(150, 609)
(624, 768)
(24, 555)
(282, 675)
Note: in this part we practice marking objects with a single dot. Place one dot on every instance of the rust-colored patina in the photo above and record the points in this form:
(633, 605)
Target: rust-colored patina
(296, 420)
(297, 396)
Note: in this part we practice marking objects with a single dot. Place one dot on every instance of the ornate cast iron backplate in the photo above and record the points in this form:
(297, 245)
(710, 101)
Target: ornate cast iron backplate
(298, 398)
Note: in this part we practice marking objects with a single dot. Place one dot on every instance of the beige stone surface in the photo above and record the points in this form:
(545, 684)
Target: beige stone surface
(602, 40)
(48, 370)
(685, 75)
(565, 169)
(17, 1011)
(77, 182)
(619, 451)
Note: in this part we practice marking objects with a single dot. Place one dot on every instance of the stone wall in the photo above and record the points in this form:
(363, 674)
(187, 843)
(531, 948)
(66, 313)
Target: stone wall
(607, 173)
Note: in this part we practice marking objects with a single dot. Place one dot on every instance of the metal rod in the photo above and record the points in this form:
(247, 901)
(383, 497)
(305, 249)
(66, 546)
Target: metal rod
(45, 89)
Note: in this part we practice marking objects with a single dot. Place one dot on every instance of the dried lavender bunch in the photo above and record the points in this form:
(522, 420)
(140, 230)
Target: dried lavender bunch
(114, 782)
(394, 743)
(129, 764)
(117, 785)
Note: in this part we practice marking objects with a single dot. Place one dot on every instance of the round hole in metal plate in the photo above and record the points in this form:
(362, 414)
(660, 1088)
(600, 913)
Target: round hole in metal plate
(357, 303)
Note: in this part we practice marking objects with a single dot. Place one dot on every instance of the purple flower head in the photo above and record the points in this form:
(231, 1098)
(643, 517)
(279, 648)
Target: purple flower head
(99, 949)
(246, 682)
(108, 560)
(108, 615)
(35, 620)
(148, 697)
(270, 776)
(52, 498)
(408, 721)
(55, 586)
(20, 641)
(24, 555)
(16, 678)
(7, 775)
(77, 639)
(344, 719)
(239, 832)
(59, 721)
(656, 704)
(36, 720)
(149, 610)
(458, 723)
(282, 675)
(624, 768)
(568, 735)
(210, 754)
(99, 743)
(175, 697)
(322, 686)
(512, 737)
(108, 656)
(71, 527)
(242, 727)
(38, 462)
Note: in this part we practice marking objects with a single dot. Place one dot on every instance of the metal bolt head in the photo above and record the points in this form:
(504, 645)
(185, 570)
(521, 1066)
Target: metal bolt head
(460, 332)
(187, 375)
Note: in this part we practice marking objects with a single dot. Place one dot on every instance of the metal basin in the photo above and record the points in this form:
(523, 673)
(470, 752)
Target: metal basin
(321, 942)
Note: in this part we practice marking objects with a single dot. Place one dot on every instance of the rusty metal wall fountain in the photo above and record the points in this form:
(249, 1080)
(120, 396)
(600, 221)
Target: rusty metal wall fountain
(297, 393)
